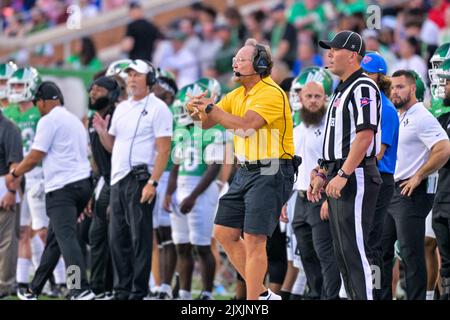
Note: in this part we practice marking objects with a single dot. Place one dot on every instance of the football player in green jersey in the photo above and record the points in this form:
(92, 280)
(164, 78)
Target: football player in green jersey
(21, 88)
(197, 156)
(6, 71)
(316, 74)
(437, 84)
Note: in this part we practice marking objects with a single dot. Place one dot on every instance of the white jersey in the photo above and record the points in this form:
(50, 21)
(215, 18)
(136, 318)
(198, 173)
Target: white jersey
(308, 141)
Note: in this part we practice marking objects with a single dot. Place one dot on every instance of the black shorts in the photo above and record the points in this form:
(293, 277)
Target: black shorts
(254, 201)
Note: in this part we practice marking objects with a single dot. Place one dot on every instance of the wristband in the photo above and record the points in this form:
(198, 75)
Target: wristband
(321, 175)
(12, 191)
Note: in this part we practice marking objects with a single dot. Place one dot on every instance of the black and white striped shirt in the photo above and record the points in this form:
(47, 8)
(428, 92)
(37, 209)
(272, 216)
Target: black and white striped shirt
(354, 106)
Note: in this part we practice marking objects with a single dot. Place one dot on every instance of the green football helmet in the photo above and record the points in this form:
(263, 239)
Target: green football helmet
(442, 53)
(27, 76)
(117, 67)
(180, 113)
(6, 71)
(443, 74)
(315, 74)
(420, 86)
(164, 73)
(437, 107)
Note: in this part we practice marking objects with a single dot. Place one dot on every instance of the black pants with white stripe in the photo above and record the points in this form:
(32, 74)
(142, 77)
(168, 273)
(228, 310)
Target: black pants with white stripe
(406, 222)
(375, 243)
(351, 218)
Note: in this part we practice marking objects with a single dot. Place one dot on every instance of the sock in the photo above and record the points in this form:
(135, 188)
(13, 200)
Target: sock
(60, 272)
(151, 283)
(37, 248)
(430, 295)
(185, 295)
(299, 285)
(23, 270)
(165, 288)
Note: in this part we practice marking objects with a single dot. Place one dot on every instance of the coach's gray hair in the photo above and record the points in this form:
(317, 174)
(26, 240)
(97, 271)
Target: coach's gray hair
(253, 43)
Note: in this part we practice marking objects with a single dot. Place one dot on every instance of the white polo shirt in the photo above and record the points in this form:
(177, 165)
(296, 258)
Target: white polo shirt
(135, 126)
(308, 141)
(62, 136)
(419, 131)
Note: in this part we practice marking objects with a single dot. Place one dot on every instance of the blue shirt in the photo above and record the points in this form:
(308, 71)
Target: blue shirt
(389, 135)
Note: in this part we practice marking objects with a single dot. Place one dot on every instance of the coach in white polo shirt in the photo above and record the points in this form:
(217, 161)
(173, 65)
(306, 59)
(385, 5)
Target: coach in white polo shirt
(423, 148)
(139, 138)
(61, 144)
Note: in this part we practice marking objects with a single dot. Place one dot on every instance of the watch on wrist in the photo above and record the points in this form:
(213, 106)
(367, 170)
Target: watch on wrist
(12, 172)
(342, 174)
(152, 182)
(209, 108)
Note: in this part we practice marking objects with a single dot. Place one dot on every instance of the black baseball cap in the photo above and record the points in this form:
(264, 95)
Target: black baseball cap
(349, 40)
(48, 90)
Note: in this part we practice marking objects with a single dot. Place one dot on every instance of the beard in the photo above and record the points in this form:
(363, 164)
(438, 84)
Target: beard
(403, 102)
(446, 100)
(312, 117)
(99, 104)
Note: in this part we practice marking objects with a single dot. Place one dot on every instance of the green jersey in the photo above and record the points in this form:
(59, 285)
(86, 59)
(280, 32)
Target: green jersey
(438, 108)
(299, 11)
(195, 148)
(296, 118)
(27, 123)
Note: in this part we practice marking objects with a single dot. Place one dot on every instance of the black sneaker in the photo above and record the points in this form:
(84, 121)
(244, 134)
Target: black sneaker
(162, 295)
(204, 296)
(107, 295)
(84, 295)
(57, 291)
(26, 294)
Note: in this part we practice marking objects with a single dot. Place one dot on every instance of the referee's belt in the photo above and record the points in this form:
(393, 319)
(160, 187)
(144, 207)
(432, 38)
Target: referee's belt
(337, 164)
(253, 165)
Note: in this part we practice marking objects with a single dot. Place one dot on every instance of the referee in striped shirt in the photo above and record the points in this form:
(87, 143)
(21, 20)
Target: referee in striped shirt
(348, 171)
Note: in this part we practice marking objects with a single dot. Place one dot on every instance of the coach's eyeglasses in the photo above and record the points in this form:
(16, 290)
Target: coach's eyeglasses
(240, 60)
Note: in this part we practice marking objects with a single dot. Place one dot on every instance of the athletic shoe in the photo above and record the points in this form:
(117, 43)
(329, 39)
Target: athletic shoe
(26, 294)
(164, 296)
(152, 295)
(85, 295)
(57, 291)
(108, 295)
(204, 296)
(269, 295)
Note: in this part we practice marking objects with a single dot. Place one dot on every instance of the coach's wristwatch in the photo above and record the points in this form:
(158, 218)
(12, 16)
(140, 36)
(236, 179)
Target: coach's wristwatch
(209, 108)
(13, 173)
(152, 182)
(342, 174)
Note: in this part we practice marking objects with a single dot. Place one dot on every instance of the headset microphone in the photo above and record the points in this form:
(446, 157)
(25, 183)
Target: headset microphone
(238, 74)
(326, 67)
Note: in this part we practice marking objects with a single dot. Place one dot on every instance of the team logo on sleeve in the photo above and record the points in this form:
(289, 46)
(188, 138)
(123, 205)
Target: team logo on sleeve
(365, 101)
(336, 102)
